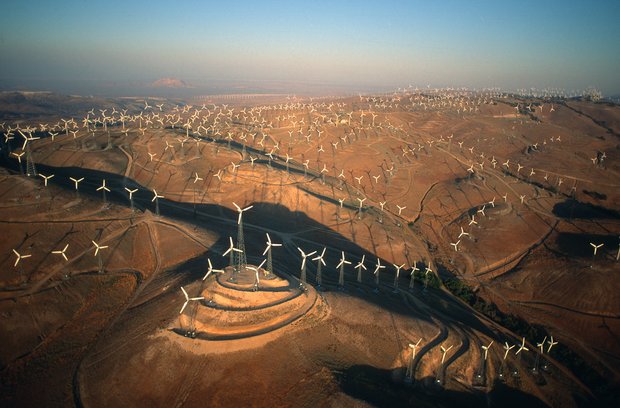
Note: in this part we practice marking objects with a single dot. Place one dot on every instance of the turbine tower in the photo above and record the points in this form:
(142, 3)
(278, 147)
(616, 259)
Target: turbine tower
(241, 258)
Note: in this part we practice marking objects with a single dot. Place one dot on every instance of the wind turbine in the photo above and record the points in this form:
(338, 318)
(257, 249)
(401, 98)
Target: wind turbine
(360, 265)
(76, 182)
(398, 268)
(98, 250)
(256, 270)
(414, 268)
(361, 201)
(156, 198)
(444, 351)
(595, 247)
(455, 245)
(46, 178)
(131, 193)
(19, 159)
(241, 259)
(541, 350)
(231, 251)
(320, 262)
(31, 170)
(104, 188)
(341, 265)
(210, 270)
(440, 374)
(19, 258)
(268, 252)
(551, 343)
(302, 280)
(462, 233)
(63, 252)
(410, 375)
(426, 272)
(188, 299)
(378, 268)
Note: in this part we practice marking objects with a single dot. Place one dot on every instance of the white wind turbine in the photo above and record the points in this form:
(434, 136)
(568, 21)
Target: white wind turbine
(397, 276)
(19, 258)
(463, 233)
(256, 270)
(76, 181)
(521, 348)
(104, 189)
(456, 245)
(197, 178)
(595, 248)
(444, 351)
(46, 178)
(378, 268)
(440, 375)
(19, 159)
(414, 268)
(551, 343)
(188, 299)
(507, 348)
(268, 252)
(211, 270)
(361, 201)
(230, 252)
(241, 259)
(410, 375)
(98, 250)
(131, 193)
(340, 266)
(30, 166)
(320, 263)
(155, 199)
(382, 205)
(360, 265)
(486, 349)
(541, 351)
(426, 272)
(63, 252)
(302, 280)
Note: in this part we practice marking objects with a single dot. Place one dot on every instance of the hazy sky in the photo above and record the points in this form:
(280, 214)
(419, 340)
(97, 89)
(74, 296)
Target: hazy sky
(517, 43)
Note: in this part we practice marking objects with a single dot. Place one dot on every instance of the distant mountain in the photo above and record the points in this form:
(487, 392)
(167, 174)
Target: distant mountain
(169, 83)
